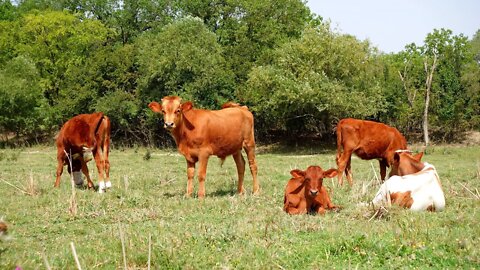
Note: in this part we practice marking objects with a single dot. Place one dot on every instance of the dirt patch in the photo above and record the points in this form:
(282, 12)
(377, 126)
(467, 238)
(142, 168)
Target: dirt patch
(472, 138)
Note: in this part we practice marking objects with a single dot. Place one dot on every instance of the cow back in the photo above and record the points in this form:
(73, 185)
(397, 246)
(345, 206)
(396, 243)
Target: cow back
(368, 139)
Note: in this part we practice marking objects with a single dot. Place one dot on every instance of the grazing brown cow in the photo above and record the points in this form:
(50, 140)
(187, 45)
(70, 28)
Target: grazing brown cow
(305, 192)
(202, 133)
(368, 140)
(79, 136)
(415, 185)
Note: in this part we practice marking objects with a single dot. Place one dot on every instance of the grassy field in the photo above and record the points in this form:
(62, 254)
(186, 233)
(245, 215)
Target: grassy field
(147, 209)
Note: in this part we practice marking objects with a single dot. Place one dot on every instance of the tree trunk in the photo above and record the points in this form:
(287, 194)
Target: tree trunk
(428, 87)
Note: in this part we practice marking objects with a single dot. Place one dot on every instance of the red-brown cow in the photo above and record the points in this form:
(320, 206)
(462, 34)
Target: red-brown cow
(79, 136)
(202, 133)
(415, 185)
(305, 192)
(368, 140)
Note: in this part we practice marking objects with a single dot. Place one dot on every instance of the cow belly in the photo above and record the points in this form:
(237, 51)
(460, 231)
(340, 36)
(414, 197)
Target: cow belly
(431, 199)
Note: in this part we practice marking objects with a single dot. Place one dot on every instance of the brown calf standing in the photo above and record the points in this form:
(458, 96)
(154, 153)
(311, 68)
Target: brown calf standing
(368, 140)
(202, 133)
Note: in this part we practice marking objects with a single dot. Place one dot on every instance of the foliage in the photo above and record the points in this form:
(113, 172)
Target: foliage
(454, 85)
(184, 58)
(21, 101)
(317, 77)
(285, 63)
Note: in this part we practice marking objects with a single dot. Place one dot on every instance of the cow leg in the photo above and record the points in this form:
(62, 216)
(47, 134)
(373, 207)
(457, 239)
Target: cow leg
(87, 174)
(250, 149)
(326, 202)
(240, 162)
(383, 169)
(190, 175)
(348, 171)
(99, 161)
(342, 164)
(60, 159)
(202, 173)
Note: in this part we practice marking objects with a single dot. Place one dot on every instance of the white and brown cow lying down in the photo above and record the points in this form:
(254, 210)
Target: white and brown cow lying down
(305, 192)
(414, 185)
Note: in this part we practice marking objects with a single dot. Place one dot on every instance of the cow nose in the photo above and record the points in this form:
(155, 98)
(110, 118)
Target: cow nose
(169, 125)
(314, 192)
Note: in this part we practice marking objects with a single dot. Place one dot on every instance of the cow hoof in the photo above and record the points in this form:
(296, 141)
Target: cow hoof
(101, 187)
(108, 184)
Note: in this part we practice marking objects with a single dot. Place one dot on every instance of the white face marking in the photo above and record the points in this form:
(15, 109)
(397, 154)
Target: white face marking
(171, 109)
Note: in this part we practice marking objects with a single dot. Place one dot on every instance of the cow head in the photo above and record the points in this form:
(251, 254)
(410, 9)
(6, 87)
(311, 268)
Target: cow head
(172, 110)
(405, 163)
(313, 178)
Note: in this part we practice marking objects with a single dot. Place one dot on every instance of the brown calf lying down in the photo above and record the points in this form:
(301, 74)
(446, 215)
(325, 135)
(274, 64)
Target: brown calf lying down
(305, 192)
(82, 134)
(368, 140)
(202, 133)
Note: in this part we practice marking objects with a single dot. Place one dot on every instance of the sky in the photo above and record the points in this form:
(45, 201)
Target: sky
(392, 24)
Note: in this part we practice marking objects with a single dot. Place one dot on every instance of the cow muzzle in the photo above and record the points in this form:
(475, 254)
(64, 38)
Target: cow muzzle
(78, 178)
(313, 192)
(169, 125)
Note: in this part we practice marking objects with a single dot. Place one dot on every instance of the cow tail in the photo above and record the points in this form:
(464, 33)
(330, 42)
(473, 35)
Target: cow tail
(99, 123)
(99, 145)
(339, 141)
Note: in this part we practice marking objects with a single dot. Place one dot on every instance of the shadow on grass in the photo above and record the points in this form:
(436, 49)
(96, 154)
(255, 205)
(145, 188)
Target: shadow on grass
(222, 193)
(216, 193)
(298, 147)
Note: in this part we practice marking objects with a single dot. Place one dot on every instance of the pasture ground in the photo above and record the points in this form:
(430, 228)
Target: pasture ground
(225, 230)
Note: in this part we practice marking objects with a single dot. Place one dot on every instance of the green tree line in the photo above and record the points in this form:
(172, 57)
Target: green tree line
(60, 58)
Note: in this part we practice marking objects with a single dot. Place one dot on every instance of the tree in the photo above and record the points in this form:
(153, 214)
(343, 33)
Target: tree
(22, 107)
(58, 43)
(321, 76)
(185, 59)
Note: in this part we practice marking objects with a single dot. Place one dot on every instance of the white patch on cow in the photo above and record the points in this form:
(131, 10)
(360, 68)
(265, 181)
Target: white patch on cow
(108, 184)
(101, 187)
(87, 156)
(78, 178)
(425, 188)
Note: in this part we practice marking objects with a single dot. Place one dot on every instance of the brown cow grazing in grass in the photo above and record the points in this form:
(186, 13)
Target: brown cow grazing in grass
(305, 192)
(368, 140)
(80, 136)
(415, 185)
(202, 133)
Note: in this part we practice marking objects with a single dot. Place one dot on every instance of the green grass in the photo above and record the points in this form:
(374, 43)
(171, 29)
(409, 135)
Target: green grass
(226, 230)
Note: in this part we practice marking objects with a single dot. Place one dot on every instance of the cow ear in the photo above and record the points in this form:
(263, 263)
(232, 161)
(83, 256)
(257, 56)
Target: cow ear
(330, 173)
(155, 106)
(396, 157)
(418, 156)
(297, 173)
(187, 106)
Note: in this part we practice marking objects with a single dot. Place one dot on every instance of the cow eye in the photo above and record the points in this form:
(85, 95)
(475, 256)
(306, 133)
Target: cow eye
(163, 111)
(177, 111)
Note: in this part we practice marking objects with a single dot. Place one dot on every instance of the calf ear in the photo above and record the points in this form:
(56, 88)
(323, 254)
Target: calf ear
(297, 173)
(187, 106)
(418, 156)
(330, 173)
(155, 106)
(396, 157)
